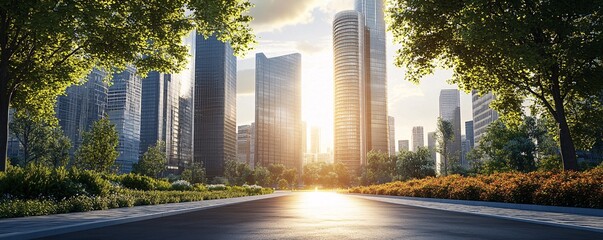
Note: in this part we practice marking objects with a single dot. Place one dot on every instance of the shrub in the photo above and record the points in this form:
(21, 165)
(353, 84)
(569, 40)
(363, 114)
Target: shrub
(573, 189)
(216, 187)
(181, 185)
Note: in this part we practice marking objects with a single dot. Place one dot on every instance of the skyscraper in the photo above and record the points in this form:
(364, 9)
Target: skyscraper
(215, 130)
(352, 116)
(123, 108)
(483, 115)
(81, 106)
(403, 145)
(304, 141)
(315, 138)
(392, 135)
(278, 110)
(244, 149)
(450, 110)
(417, 138)
(159, 114)
(431, 145)
(469, 133)
(372, 11)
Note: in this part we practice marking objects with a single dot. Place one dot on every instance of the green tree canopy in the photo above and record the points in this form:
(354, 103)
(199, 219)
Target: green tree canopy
(238, 173)
(445, 136)
(380, 168)
(98, 151)
(41, 142)
(46, 46)
(549, 51)
(417, 164)
(261, 175)
(153, 161)
(194, 173)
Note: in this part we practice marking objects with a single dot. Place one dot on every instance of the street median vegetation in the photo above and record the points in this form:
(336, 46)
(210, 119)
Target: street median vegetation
(569, 188)
(39, 190)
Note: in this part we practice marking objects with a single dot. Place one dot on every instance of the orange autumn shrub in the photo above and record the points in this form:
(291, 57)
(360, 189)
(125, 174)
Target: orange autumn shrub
(574, 189)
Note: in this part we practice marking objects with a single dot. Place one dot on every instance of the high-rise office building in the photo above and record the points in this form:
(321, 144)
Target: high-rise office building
(465, 148)
(469, 133)
(244, 138)
(215, 130)
(123, 109)
(403, 145)
(315, 140)
(81, 106)
(373, 13)
(431, 145)
(483, 114)
(186, 80)
(450, 110)
(417, 138)
(304, 136)
(352, 116)
(160, 115)
(392, 135)
(278, 110)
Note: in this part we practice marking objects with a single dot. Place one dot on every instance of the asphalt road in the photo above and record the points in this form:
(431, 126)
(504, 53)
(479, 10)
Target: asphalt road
(321, 215)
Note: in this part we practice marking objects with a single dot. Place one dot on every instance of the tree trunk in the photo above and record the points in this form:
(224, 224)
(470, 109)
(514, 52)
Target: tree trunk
(568, 150)
(4, 105)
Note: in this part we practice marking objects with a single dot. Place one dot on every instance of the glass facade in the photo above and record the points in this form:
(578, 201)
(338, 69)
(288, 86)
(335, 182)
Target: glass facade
(431, 145)
(450, 110)
(245, 137)
(278, 111)
(81, 106)
(417, 138)
(352, 115)
(391, 128)
(372, 10)
(123, 108)
(215, 130)
(483, 115)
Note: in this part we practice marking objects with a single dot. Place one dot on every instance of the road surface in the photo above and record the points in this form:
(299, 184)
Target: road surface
(323, 215)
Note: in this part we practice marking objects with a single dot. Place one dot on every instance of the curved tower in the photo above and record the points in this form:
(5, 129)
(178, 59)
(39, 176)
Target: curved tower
(350, 90)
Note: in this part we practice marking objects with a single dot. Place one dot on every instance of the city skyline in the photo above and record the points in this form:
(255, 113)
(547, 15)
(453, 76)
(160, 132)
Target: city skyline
(305, 27)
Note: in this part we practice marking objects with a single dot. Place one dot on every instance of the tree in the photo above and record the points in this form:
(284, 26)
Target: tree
(194, 173)
(417, 164)
(514, 148)
(444, 136)
(98, 151)
(153, 161)
(261, 176)
(343, 175)
(276, 172)
(42, 142)
(291, 176)
(380, 168)
(46, 46)
(549, 51)
(238, 173)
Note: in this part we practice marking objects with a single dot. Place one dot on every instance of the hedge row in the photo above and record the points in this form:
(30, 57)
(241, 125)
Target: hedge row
(572, 189)
(125, 198)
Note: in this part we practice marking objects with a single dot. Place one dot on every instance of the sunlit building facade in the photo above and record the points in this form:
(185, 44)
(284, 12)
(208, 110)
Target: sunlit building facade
(278, 111)
(352, 116)
(373, 13)
(483, 114)
(417, 138)
(403, 145)
(450, 110)
(81, 106)
(431, 145)
(123, 109)
(215, 130)
(392, 135)
(245, 137)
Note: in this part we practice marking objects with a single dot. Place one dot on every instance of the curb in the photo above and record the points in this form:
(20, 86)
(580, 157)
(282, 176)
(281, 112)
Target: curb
(523, 207)
(104, 223)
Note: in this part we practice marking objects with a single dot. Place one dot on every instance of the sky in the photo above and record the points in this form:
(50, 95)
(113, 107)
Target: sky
(304, 26)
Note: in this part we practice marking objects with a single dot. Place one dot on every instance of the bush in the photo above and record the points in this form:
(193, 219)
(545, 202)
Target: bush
(145, 183)
(216, 187)
(182, 185)
(572, 189)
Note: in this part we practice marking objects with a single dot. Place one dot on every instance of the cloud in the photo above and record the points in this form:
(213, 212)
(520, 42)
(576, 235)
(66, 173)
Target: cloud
(270, 15)
(246, 82)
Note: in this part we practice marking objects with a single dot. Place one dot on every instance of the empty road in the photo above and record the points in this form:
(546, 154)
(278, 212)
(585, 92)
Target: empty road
(323, 215)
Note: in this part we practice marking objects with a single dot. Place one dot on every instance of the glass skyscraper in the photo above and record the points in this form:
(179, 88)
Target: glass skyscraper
(352, 114)
(215, 130)
(81, 106)
(374, 20)
(450, 110)
(278, 111)
(483, 114)
(123, 108)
